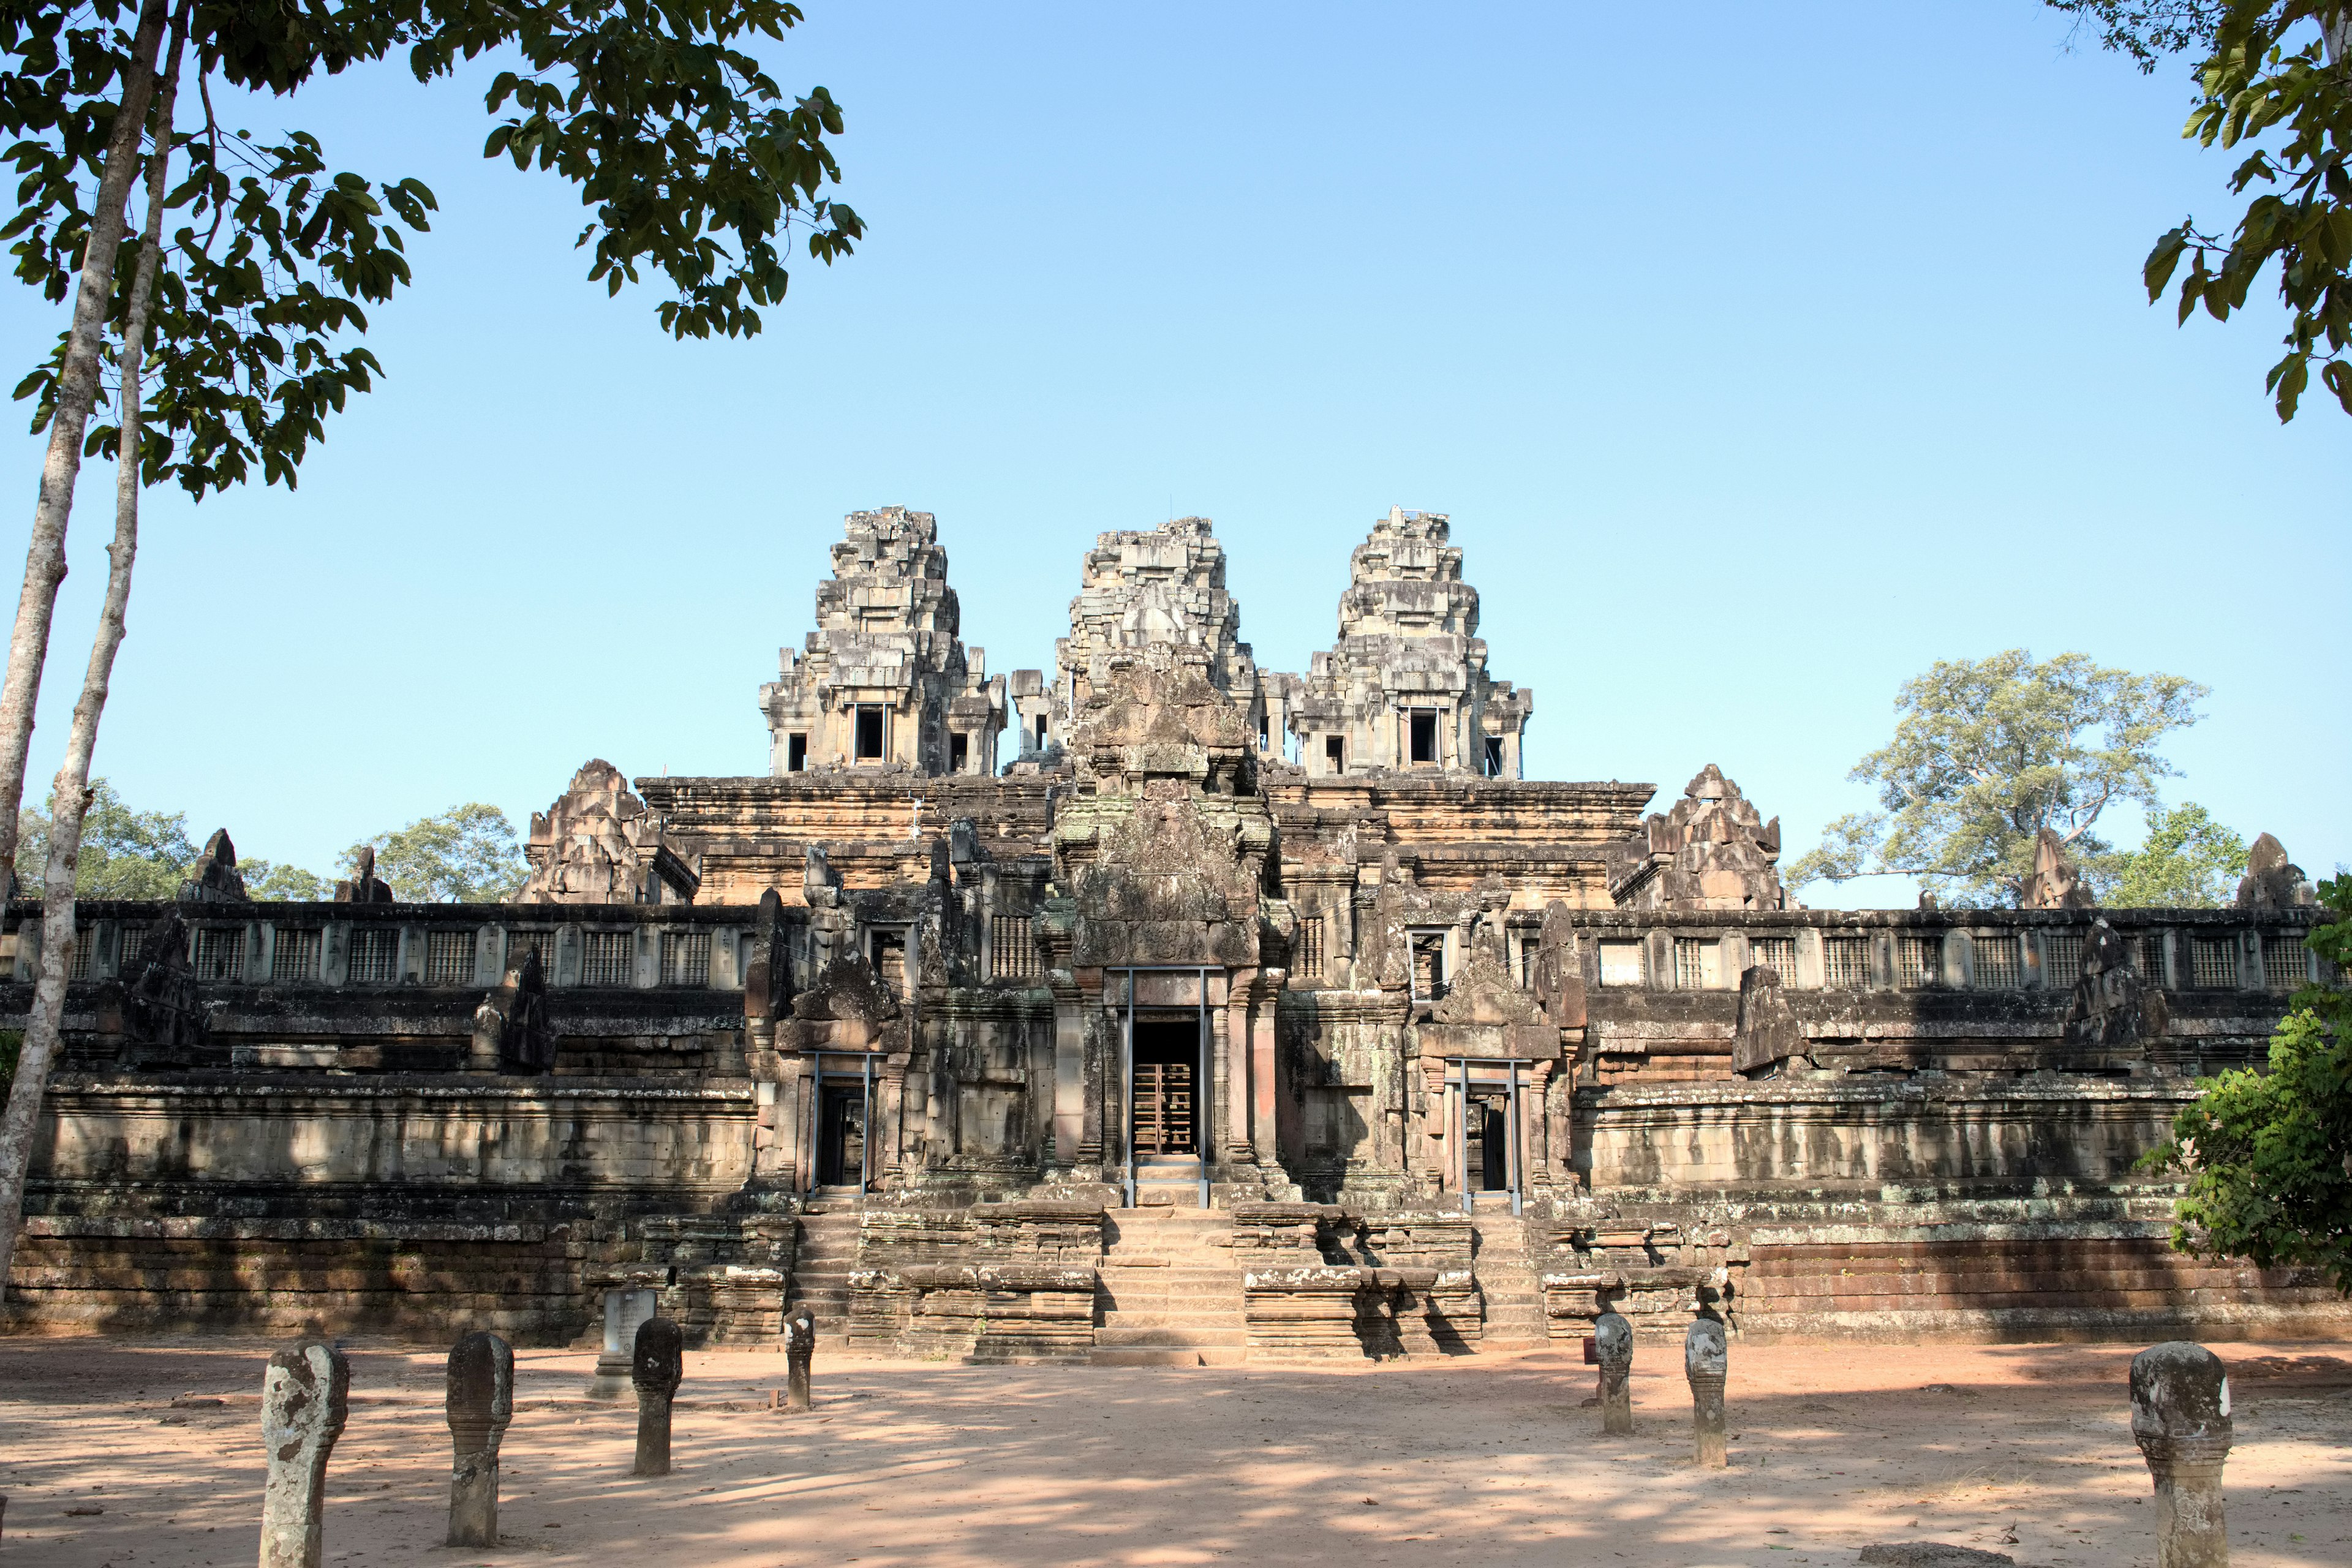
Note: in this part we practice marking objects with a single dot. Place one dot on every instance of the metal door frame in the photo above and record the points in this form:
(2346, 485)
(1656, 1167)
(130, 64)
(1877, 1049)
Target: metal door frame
(1201, 1080)
(1459, 1092)
(865, 1076)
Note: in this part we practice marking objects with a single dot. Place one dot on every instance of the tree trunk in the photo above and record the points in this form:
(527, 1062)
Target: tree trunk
(45, 558)
(72, 790)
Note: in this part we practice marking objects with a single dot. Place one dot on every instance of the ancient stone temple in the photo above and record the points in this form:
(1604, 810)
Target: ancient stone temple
(1164, 1035)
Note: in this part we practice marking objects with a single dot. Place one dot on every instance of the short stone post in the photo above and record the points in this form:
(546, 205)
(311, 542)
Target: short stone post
(2180, 1418)
(625, 1309)
(305, 1398)
(481, 1403)
(1706, 1359)
(1612, 1339)
(657, 1370)
(799, 1348)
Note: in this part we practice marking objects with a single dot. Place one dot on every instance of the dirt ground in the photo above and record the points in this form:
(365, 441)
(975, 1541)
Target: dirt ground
(2023, 1449)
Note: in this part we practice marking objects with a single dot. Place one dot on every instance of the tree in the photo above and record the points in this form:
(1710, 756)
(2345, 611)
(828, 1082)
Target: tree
(2268, 1155)
(678, 141)
(465, 854)
(2266, 66)
(125, 854)
(2190, 861)
(1988, 753)
(290, 884)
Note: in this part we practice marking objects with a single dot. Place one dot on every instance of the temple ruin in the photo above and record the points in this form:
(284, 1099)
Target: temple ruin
(1216, 1013)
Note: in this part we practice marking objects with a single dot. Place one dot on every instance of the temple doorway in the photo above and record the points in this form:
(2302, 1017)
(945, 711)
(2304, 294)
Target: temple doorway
(1486, 1127)
(1167, 1098)
(841, 1135)
(1489, 1130)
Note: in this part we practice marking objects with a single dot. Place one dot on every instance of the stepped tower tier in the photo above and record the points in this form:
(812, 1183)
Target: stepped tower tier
(1406, 684)
(1159, 587)
(884, 682)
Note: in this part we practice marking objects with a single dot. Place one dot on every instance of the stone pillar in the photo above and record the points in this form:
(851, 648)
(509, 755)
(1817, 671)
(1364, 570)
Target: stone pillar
(625, 1309)
(480, 1403)
(1613, 1341)
(657, 1368)
(799, 1348)
(1706, 1359)
(2181, 1419)
(305, 1397)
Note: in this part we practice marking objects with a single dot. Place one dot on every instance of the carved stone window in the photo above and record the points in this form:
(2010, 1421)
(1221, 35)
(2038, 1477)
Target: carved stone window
(1012, 955)
(1698, 965)
(2286, 963)
(1306, 952)
(295, 956)
(218, 952)
(449, 958)
(2213, 962)
(1918, 963)
(77, 956)
(686, 958)
(1777, 953)
(2147, 957)
(2063, 951)
(1621, 963)
(1845, 963)
(375, 955)
(1429, 976)
(607, 958)
(1997, 967)
(886, 950)
(521, 939)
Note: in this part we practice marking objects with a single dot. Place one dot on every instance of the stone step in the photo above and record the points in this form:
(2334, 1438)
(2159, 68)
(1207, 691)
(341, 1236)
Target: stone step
(1177, 1322)
(1183, 1338)
(1207, 1355)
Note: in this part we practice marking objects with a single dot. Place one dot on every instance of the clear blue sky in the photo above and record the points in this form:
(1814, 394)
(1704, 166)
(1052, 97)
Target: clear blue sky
(1761, 357)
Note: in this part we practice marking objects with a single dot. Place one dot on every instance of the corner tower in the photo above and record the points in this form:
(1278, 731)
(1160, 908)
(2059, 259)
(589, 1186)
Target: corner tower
(1406, 684)
(884, 680)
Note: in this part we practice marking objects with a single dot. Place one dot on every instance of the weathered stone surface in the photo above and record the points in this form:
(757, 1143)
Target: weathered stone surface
(657, 1366)
(800, 1353)
(598, 845)
(2273, 883)
(1712, 851)
(480, 1403)
(1766, 1033)
(217, 881)
(363, 886)
(2181, 1419)
(2112, 1004)
(305, 1400)
(1612, 1339)
(510, 1027)
(1706, 1363)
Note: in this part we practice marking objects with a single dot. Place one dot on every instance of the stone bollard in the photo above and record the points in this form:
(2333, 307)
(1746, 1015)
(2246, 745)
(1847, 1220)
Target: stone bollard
(305, 1397)
(1614, 1338)
(623, 1310)
(658, 1368)
(799, 1348)
(2180, 1418)
(481, 1403)
(1706, 1359)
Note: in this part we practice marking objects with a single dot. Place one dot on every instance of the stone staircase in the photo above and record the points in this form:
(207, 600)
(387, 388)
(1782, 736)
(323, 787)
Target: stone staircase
(828, 1251)
(1507, 1278)
(1171, 1294)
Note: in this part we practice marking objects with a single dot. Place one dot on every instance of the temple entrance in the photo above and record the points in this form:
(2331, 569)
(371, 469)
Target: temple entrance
(1485, 1124)
(841, 1135)
(1167, 1067)
(1490, 1143)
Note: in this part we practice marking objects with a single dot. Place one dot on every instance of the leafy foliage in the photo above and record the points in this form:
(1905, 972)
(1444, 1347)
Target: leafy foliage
(2275, 69)
(2190, 861)
(695, 163)
(268, 879)
(125, 854)
(1987, 753)
(467, 854)
(2269, 1154)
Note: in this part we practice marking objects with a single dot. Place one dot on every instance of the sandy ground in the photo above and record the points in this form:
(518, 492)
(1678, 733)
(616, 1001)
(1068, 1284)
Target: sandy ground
(2020, 1449)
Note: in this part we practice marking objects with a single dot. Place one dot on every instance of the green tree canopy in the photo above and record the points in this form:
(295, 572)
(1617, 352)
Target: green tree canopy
(2274, 80)
(2190, 861)
(1986, 755)
(125, 853)
(465, 854)
(2269, 1154)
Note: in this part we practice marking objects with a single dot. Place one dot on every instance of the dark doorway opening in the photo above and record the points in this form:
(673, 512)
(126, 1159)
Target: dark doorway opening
(959, 752)
(796, 754)
(887, 952)
(1167, 1091)
(1428, 965)
(869, 732)
(1490, 1156)
(841, 1135)
(1494, 756)
(1424, 736)
(1335, 753)
(1040, 731)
